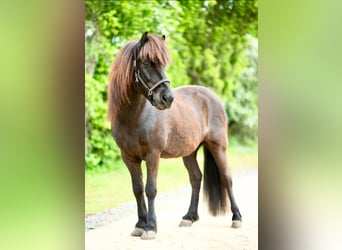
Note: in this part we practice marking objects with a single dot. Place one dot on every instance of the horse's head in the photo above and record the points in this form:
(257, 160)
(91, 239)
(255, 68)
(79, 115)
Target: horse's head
(150, 57)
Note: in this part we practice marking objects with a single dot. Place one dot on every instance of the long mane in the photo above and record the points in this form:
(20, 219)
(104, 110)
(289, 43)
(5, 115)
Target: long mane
(121, 74)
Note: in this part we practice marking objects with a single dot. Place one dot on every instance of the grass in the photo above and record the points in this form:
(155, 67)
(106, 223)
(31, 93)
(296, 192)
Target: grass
(104, 190)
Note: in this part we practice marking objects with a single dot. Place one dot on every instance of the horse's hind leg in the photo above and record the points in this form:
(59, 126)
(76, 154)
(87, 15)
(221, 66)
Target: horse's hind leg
(134, 168)
(195, 176)
(220, 157)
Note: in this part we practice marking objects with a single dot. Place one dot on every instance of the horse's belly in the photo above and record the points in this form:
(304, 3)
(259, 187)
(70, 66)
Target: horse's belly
(180, 146)
(177, 153)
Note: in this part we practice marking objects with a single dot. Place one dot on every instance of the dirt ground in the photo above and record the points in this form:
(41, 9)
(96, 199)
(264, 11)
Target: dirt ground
(207, 233)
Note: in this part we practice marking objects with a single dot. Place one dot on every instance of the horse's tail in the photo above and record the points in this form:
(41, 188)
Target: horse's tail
(213, 189)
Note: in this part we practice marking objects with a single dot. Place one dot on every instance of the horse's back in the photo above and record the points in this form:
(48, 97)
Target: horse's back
(203, 98)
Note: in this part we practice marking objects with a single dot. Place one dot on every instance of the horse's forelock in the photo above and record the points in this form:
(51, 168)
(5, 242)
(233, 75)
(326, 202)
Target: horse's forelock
(155, 49)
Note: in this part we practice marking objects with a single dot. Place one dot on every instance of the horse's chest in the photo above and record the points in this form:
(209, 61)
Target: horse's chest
(125, 138)
(132, 138)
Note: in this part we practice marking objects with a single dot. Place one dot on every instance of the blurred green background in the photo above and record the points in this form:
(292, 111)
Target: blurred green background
(212, 43)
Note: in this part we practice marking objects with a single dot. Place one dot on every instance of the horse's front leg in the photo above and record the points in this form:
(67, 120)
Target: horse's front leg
(152, 163)
(134, 167)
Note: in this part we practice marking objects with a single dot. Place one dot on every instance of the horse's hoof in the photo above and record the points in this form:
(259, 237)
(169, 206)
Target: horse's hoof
(148, 235)
(236, 224)
(185, 223)
(137, 232)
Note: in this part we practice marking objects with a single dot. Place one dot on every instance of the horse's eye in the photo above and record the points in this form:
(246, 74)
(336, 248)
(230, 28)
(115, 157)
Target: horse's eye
(147, 63)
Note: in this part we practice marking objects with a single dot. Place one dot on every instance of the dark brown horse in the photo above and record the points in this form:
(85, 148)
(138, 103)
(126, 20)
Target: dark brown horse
(149, 121)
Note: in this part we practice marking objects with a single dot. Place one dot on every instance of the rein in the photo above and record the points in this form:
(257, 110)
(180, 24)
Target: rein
(137, 76)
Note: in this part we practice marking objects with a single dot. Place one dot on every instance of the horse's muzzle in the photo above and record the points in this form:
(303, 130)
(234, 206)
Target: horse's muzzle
(163, 101)
(167, 99)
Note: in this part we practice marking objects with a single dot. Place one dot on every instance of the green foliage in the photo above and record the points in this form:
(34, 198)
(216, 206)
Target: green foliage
(212, 43)
(242, 109)
(100, 148)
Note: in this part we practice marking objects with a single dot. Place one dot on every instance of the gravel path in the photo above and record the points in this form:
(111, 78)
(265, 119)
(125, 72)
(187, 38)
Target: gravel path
(111, 229)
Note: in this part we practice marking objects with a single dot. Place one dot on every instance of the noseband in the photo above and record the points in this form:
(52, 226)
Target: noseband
(137, 76)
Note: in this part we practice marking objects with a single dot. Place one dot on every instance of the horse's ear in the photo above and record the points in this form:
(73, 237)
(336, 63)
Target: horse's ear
(163, 36)
(144, 38)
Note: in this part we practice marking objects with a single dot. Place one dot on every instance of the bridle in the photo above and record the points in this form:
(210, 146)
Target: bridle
(137, 76)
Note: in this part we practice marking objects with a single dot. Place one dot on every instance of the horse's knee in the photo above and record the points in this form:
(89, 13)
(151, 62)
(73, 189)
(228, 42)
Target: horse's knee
(151, 191)
(138, 189)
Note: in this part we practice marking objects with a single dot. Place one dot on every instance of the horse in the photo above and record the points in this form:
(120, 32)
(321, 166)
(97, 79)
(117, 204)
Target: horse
(149, 121)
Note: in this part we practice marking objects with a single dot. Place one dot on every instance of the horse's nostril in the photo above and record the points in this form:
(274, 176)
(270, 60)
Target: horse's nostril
(167, 99)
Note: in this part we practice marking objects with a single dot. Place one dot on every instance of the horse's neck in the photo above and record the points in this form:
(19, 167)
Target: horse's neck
(130, 111)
